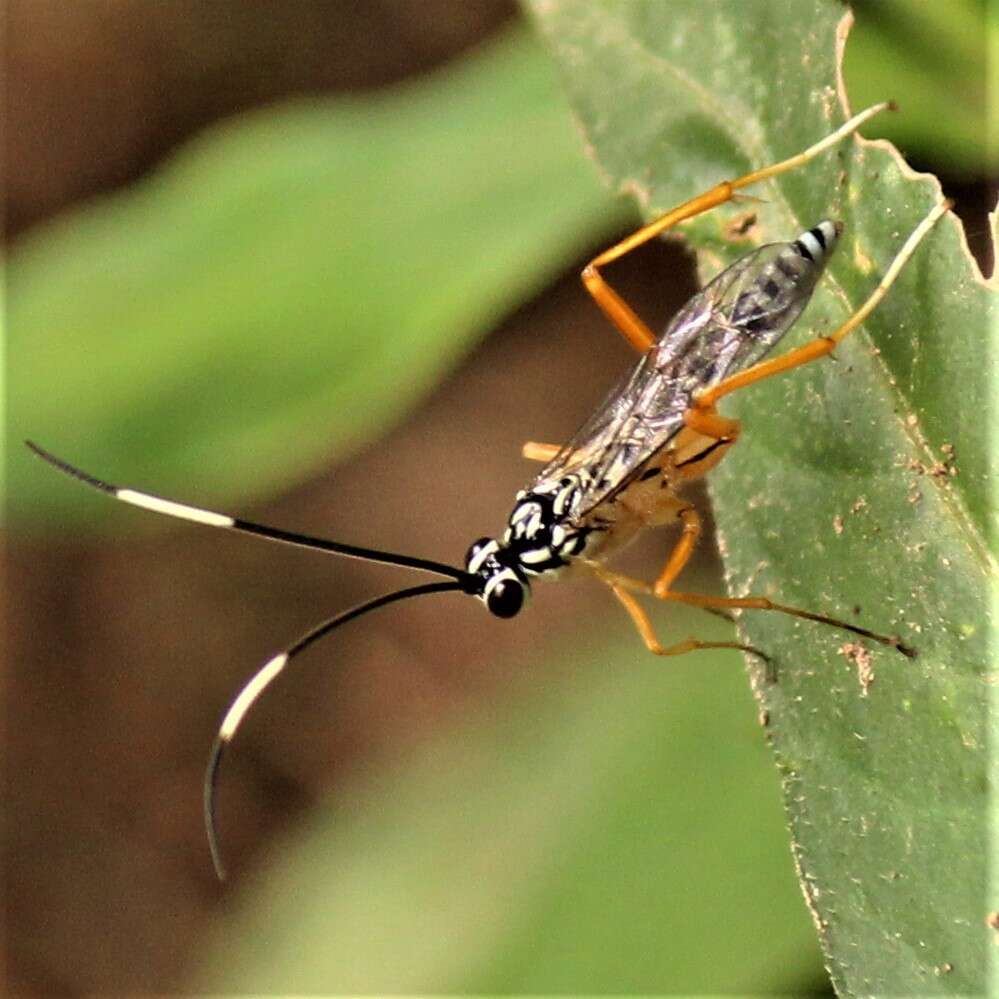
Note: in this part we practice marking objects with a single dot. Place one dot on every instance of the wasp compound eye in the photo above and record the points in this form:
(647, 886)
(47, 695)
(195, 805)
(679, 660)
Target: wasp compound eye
(505, 598)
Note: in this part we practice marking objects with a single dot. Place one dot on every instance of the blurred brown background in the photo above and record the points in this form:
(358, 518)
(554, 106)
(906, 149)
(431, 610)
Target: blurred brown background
(99, 90)
(109, 886)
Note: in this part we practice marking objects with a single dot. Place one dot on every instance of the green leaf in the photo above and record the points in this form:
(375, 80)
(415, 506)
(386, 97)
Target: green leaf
(860, 483)
(290, 283)
(567, 842)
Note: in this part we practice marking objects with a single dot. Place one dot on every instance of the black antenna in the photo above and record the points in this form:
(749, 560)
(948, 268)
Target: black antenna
(183, 511)
(461, 581)
(262, 679)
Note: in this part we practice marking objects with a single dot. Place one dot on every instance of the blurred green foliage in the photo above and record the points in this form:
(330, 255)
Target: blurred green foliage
(938, 61)
(866, 483)
(293, 281)
(289, 284)
(612, 828)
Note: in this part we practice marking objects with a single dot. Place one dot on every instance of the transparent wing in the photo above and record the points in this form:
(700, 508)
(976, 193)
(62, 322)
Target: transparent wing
(730, 324)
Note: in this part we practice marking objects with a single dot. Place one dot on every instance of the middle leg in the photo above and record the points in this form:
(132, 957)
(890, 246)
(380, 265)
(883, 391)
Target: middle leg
(644, 627)
(708, 602)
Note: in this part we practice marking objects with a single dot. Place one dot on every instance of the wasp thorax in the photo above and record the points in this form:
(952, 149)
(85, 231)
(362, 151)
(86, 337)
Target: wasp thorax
(541, 533)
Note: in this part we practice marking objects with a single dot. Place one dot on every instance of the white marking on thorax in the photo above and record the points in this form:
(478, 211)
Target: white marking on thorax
(535, 555)
(526, 520)
(562, 499)
(524, 510)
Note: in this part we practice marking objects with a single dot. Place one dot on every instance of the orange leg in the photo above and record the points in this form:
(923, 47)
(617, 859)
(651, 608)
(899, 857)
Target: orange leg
(682, 551)
(614, 307)
(706, 420)
(705, 401)
(745, 603)
(533, 451)
(763, 603)
(644, 627)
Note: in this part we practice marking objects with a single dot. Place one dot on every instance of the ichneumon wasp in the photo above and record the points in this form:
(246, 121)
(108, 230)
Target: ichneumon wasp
(622, 470)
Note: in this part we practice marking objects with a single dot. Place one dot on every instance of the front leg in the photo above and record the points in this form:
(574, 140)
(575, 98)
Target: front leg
(682, 551)
(536, 451)
(679, 557)
(644, 626)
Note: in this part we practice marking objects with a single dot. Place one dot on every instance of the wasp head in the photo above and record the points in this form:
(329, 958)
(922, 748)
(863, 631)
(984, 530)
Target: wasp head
(502, 585)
